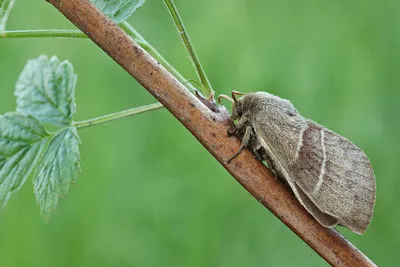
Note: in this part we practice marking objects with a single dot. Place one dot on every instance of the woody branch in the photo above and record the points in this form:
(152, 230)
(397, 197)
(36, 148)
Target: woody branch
(210, 130)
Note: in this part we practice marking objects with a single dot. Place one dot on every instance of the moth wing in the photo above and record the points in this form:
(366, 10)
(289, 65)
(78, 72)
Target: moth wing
(323, 218)
(336, 176)
(280, 142)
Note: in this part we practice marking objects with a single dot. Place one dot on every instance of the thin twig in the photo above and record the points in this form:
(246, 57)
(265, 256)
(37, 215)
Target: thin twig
(117, 116)
(206, 86)
(43, 33)
(4, 16)
(210, 130)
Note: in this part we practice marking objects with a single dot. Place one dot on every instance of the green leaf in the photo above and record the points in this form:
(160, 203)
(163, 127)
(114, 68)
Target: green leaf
(22, 139)
(118, 10)
(58, 169)
(45, 94)
(46, 90)
(5, 10)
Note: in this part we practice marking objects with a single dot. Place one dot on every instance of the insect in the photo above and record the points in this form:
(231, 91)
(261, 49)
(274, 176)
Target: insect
(329, 175)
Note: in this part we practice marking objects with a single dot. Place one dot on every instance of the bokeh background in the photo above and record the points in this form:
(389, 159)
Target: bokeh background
(149, 194)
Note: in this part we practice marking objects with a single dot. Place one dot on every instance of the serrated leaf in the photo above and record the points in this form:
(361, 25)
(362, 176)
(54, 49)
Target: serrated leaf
(46, 90)
(118, 10)
(5, 10)
(22, 139)
(58, 169)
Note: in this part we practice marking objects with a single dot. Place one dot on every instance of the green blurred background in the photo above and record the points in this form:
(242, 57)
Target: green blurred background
(149, 194)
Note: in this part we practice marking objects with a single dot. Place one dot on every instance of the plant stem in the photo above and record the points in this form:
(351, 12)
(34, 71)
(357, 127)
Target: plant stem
(206, 86)
(5, 15)
(117, 115)
(43, 33)
(130, 30)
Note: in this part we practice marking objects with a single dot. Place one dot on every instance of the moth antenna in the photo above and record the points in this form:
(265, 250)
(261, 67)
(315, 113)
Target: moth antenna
(235, 93)
(226, 97)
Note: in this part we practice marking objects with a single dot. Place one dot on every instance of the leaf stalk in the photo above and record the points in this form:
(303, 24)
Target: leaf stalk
(206, 86)
(43, 33)
(117, 116)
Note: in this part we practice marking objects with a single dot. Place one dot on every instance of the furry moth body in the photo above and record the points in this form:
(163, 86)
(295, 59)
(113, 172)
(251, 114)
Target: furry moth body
(330, 176)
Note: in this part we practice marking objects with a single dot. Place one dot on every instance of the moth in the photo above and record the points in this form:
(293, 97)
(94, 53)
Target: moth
(330, 176)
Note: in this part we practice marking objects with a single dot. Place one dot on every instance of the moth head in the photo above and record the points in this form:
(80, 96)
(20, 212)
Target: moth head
(237, 104)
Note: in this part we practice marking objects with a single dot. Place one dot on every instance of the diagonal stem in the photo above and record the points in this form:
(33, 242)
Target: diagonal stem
(206, 86)
(4, 16)
(210, 130)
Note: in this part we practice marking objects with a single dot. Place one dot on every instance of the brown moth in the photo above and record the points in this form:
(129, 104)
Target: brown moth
(330, 176)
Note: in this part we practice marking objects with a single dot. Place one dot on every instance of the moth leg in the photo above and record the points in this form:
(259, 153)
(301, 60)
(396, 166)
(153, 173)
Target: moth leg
(245, 142)
(232, 131)
(271, 167)
(256, 147)
(239, 125)
(242, 123)
(257, 155)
